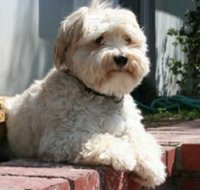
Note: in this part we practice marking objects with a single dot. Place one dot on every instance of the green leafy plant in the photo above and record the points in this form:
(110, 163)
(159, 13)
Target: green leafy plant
(188, 37)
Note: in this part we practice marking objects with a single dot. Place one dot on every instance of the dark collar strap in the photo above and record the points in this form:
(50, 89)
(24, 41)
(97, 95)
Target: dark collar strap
(116, 99)
(91, 91)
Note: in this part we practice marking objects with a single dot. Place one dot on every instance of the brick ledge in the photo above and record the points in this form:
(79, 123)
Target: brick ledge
(181, 143)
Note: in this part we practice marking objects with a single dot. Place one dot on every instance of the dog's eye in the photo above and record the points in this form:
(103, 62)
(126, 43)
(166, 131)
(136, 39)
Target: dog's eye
(99, 40)
(128, 40)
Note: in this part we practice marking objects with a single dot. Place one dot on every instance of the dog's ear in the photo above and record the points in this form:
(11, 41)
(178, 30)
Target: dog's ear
(60, 49)
(69, 33)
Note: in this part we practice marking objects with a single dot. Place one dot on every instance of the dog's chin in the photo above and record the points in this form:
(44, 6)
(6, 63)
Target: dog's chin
(118, 83)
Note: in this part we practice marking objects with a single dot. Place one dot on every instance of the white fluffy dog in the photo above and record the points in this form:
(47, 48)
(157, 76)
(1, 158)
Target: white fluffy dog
(81, 111)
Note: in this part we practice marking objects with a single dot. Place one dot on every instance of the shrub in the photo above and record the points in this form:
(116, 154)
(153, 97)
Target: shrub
(188, 37)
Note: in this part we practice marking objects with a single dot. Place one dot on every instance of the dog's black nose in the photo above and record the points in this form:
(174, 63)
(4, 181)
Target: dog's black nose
(120, 60)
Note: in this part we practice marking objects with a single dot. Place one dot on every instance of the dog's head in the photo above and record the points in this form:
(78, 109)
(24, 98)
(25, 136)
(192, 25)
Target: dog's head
(104, 47)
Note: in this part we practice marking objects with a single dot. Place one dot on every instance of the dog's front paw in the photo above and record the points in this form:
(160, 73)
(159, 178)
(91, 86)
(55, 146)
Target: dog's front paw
(108, 150)
(121, 158)
(123, 161)
(150, 174)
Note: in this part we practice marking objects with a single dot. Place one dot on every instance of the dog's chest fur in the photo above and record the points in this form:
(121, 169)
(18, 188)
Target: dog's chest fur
(73, 105)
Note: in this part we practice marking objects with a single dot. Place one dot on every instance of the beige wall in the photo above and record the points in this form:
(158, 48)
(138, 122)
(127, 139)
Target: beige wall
(23, 54)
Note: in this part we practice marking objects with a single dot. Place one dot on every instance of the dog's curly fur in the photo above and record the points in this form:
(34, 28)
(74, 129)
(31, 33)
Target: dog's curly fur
(81, 111)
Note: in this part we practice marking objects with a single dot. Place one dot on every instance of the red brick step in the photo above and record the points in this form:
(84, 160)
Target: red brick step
(181, 143)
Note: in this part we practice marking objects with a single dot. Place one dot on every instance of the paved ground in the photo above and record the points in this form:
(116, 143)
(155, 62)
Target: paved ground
(176, 134)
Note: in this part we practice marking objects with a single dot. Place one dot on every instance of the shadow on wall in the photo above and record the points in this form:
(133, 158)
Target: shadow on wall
(51, 13)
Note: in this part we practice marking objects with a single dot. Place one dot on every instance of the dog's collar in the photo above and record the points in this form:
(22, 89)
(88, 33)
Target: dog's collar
(114, 98)
(91, 91)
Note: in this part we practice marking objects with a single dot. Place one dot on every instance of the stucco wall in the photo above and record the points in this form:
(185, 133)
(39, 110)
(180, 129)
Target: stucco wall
(24, 55)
